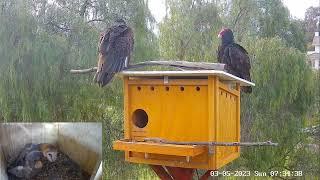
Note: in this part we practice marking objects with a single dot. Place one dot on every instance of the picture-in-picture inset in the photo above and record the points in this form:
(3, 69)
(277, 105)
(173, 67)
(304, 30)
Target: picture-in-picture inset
(50, 151)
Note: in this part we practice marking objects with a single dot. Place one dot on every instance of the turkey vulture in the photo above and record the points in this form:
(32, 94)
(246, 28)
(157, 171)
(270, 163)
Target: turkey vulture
(235, 57)
(115, 49)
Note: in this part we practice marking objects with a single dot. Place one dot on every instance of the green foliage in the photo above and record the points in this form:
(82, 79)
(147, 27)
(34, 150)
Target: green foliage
(146, 41)
(281, 75)
(310, 27)
(264, 19)
(191, 31)
(295, 35)
(278, 106)
(36, 54)
(35, 78)
(273, 19)
(242, 17)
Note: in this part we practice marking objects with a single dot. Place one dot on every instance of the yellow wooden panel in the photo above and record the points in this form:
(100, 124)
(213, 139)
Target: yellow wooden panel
(172, 163)
(126, 110)
(229, 88)
(182, 110)
(156, 148)
(201, 158)
(228, 125)
(238, 115)
(173, 112)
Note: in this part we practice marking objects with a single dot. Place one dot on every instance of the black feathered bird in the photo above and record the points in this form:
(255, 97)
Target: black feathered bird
(115, 50)
(235, 57)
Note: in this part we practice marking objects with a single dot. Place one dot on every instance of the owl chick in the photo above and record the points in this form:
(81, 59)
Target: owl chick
(30, 160)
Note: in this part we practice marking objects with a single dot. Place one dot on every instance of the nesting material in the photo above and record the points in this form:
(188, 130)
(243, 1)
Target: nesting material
(64, 168)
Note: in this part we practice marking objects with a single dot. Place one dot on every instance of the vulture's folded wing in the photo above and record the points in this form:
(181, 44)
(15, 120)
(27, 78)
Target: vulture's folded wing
(115, 60)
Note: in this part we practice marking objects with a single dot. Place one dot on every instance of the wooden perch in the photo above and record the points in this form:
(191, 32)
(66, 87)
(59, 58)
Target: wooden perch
(159, 140)
(83, 71)
(182, 65)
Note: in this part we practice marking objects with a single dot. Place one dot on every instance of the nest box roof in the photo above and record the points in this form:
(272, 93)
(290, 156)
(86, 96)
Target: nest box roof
(190, 73)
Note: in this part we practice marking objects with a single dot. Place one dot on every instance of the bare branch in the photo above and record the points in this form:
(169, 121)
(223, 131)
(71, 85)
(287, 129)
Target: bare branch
(83, 71)
(159, 140)
(83, 8)
(182, 65)
(242, 11)
(58, 26)
(95, 20)
(184, 46)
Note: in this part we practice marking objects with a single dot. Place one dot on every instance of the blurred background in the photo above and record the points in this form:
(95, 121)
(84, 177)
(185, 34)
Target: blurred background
(41, 40)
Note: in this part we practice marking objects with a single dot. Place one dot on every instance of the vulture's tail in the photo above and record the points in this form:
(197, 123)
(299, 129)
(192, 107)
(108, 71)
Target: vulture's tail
(246, 76)
(246, 89)
(106, 79)
(113, 66)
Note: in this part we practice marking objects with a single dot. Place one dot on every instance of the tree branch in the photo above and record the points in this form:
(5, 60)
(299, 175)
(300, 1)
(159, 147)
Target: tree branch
(83, 71)
(94, 20)
(83, 8)
(59, 27)
(239, 15)
(181, 65)
(159, 140)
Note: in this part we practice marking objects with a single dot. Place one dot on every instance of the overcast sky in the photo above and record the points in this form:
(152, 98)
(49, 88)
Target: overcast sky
(297, 7)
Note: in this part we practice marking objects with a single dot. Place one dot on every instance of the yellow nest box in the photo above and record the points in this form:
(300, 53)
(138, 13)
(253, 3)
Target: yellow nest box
(181, 106)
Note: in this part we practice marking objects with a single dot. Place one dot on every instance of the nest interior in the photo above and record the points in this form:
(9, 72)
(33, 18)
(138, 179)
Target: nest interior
(64, 168)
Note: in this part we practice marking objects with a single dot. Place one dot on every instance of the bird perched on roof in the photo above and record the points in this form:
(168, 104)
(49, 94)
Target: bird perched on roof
(235, 57)
(30, 160)
(115, 51)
